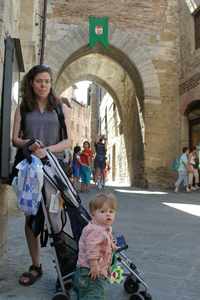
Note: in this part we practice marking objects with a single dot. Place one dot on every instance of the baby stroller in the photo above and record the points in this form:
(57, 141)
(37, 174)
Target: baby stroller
(65, 243)
(61, 202)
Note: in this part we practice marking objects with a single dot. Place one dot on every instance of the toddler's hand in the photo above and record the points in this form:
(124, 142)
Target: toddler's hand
(114, 247)
(94, 270)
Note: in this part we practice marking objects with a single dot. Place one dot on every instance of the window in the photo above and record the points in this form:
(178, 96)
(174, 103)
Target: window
(197, 29)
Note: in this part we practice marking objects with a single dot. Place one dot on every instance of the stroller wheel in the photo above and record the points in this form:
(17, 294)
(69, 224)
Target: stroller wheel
(148, 297)
(68, 285)
(137, 297)
(61, 296)
(131, 285)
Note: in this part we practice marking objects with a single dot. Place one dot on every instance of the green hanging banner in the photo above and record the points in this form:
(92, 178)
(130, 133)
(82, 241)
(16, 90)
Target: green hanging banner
(98, 31)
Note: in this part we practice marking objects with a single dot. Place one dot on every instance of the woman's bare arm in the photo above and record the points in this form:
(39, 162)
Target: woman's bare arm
(16, 134)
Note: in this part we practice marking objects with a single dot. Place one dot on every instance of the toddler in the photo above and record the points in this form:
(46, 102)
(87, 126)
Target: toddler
(95, 249)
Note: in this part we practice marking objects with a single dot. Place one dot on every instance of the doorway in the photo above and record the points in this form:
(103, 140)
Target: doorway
(13, 65)
(193, 114)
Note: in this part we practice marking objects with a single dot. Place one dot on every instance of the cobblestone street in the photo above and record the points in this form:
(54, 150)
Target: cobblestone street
(162, 230)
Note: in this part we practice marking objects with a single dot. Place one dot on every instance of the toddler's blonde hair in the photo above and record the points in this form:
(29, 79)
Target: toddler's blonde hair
(101, 199)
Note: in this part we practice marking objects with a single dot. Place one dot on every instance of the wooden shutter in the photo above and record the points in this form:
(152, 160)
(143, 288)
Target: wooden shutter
(197, 29)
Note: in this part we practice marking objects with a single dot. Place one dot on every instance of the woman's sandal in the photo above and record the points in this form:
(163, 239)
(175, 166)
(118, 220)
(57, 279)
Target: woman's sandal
(30, 277)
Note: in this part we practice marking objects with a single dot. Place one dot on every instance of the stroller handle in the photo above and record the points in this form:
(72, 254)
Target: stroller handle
(120, 249)
(27, 151)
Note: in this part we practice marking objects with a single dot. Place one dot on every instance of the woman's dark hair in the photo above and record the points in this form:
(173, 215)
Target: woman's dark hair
(77, 149)
(184, 149)
(28, 96)
(192, 149)
(86, 142)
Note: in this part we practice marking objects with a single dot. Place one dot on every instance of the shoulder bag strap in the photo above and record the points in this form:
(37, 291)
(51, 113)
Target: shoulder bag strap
(61, 118)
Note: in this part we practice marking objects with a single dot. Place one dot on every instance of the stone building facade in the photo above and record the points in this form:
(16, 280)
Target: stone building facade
(116, 152)
(80, 123)
(80, 119)
(140, 70)
(190, 72)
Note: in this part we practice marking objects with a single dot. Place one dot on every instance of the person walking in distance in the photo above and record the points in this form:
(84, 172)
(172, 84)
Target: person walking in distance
(183, 171)
(100, 162)
(86, 157)
(36, 117)
(193, 169)
(76, 164)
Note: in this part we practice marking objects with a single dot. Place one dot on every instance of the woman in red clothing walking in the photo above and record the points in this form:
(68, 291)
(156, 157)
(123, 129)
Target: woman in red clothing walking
(85, 168)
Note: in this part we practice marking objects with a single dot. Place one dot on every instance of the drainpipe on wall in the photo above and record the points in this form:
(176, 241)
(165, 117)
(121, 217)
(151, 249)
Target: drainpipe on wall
(44, 20)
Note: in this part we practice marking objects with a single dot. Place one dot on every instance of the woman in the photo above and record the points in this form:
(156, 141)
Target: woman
(36, 118)
(86, 157)
(100, 161)
(183, 171)
(193, 172)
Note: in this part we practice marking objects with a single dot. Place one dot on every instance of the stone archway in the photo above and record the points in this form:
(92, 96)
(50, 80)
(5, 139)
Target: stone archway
(149, 57)
(118, 81)
(130, 52)
(70, 43)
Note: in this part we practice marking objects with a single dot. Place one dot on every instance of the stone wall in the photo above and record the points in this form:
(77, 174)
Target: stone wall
(145, 40)
(116, 148)
(190, 67)
(79, 119)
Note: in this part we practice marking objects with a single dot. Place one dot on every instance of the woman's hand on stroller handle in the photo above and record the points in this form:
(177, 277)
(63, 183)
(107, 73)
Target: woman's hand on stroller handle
(34, 146)
(32, 143)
